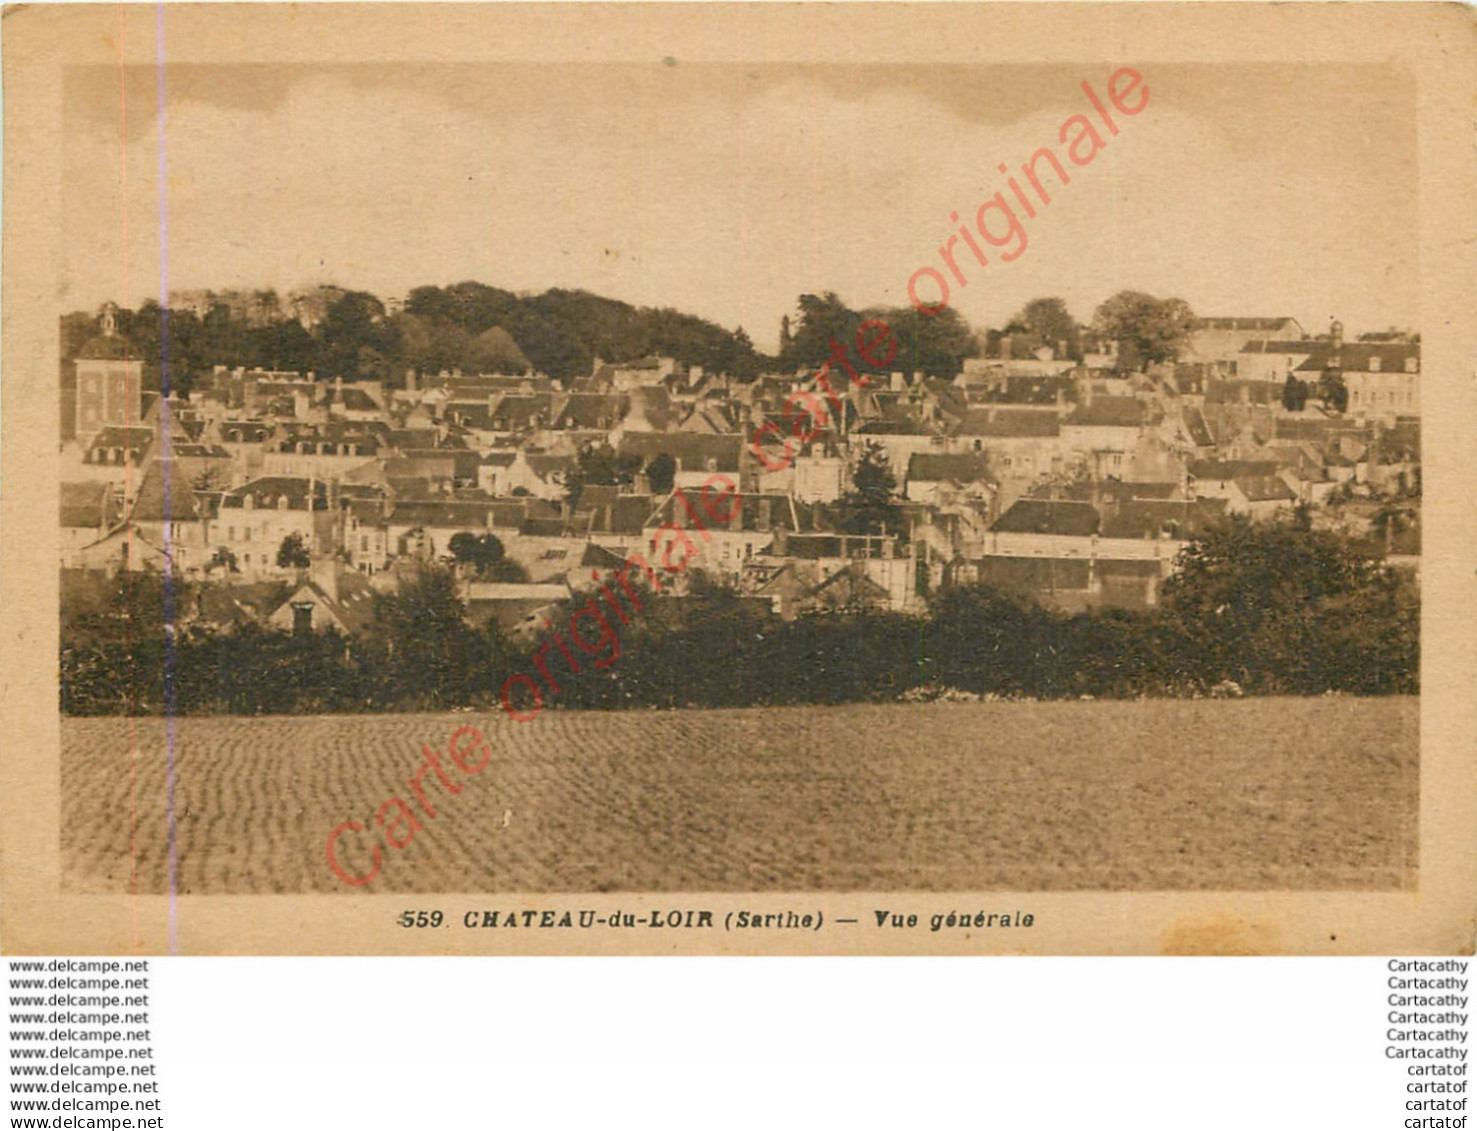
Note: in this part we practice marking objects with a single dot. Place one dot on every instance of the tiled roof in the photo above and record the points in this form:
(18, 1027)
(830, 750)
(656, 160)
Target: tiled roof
(1154, 518)
(1240, 323)
(86, 504)
(1265, 488)
(929, 467)
(165, 495)
(591, 411)
(448, 513)
(1232, 468)
(693, 451)
(1109, 412)
(759, 513)
(265, 492)
(1007, 424)
(1292, 348)
(1356, 357)
(1040, 516)
(108, 347)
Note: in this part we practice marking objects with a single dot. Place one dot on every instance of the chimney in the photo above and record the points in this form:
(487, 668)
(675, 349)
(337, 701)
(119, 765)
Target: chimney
(410, 378)
(1243, 394)
(1004, 347)
(896, 384)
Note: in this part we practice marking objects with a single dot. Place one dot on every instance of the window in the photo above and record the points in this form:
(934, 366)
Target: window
(302, 617)
(246, 535)
(364, 543)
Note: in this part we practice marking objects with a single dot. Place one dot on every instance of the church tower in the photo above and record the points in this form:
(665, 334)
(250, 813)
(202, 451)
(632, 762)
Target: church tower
(110, 377)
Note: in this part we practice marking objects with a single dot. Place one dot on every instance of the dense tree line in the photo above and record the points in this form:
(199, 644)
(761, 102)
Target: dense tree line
(468, 326)
(483, 329)
(1274, 610)
(934, 345)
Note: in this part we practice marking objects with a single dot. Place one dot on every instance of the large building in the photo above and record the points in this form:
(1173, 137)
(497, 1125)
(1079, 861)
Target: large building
(110, 377)
(1223, 339)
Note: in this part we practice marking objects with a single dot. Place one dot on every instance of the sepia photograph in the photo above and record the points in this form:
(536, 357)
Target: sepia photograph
(657, 471)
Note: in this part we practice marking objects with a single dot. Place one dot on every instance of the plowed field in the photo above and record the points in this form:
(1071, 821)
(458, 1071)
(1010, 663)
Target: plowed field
(1166, 795)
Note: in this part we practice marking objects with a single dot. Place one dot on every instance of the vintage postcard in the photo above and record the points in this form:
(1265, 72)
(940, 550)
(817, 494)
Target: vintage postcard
(687, 478)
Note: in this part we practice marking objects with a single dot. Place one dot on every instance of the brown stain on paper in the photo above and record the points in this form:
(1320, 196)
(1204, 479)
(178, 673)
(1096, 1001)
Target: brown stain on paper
(1220, 936)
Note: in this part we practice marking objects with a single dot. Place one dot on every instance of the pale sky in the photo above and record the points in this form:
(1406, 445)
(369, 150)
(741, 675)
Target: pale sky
(726, 191)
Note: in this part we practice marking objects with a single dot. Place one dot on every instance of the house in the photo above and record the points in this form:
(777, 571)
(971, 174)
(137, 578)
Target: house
(1260, 496)
(423, 529)
(319, 451)
(364, 532)
(717, 532)
(114, 454)
(359, 401)
(1104, 430)
(125, 547)
(1045, 528)
(610, 519)
(650, 410)
(1272, 360)
(698, 455)
(590, 412)
(257, 517)
(233, 605)
(492, 472)
(1383, 378)
(819, 475)
(900, 439)
(166, 514)
(1023, 443)
(822, 571)
(517, 609)
(641, 373)
(1224, 339)
(88, 510)
(533, 473)
(940, 477)
(329, 598)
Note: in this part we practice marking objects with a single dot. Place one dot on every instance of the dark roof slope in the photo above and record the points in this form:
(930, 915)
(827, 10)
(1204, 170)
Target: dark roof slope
(932, 467)
(1041, 516)
(265, 492)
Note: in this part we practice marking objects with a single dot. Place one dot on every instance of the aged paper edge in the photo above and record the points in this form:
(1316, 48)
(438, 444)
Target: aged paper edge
(1435, 41)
